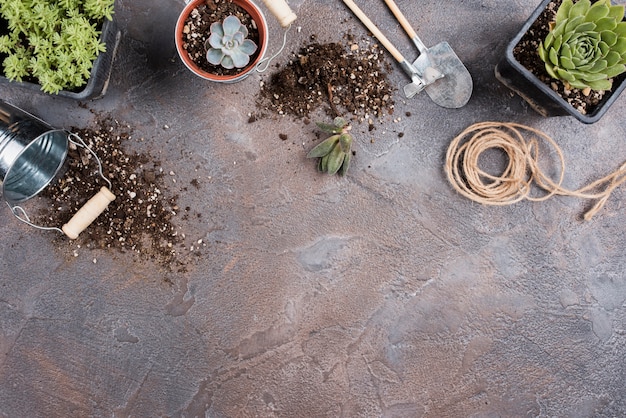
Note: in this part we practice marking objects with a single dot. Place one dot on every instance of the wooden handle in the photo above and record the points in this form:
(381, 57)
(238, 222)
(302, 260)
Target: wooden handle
(281, 10)
(88, 213)
(375, 31)
(403, 20)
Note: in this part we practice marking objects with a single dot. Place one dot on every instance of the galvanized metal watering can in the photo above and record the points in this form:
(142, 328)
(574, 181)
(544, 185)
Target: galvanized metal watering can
(31, 155)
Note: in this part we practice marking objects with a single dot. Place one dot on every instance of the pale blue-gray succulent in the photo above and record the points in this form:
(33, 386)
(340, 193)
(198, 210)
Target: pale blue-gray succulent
(228, 45)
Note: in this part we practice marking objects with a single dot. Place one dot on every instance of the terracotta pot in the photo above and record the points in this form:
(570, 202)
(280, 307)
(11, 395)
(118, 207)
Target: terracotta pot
(100, 75)
(261, 24)
(540, 96)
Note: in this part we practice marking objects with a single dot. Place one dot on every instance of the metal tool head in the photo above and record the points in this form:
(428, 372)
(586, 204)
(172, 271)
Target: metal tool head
(454, 89)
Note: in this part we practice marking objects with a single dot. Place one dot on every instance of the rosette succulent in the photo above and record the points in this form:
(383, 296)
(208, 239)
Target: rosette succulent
(334, 152)
(227, 44)
(586, 46)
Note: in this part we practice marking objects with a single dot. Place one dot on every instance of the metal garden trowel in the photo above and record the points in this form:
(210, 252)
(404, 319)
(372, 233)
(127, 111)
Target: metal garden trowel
(437, 70)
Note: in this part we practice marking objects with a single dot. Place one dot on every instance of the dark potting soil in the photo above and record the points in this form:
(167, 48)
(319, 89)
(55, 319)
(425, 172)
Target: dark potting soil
(526, 54)
(139, 220)
(344, 79)
(197, 30)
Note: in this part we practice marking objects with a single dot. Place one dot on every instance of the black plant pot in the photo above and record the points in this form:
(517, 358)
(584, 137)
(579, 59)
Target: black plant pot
(540, 96)
(100, 72)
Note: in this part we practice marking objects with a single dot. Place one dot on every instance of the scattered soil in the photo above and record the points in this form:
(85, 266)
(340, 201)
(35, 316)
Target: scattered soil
(526, 54)
(139, 220)
(343, 79)
(197, 30)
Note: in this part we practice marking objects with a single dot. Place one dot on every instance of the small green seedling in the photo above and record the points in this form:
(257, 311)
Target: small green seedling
(334, 152)
(53, 42)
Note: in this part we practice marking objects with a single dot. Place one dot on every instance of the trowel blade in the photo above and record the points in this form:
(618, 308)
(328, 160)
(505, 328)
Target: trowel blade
(454, 89)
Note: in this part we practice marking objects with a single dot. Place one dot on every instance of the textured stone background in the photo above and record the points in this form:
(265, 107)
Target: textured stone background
(381, 294)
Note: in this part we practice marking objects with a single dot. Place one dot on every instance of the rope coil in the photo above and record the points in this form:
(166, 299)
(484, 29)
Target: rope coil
(522, 169)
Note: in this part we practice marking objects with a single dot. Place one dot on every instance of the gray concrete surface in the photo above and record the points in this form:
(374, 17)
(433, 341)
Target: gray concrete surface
(383, 294)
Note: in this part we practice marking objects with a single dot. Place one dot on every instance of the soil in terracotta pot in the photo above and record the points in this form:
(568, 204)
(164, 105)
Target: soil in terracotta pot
(526, 54)
(196, 32)
(344, 78)
(139, 220)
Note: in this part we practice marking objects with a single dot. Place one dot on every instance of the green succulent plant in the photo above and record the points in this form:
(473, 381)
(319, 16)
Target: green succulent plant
(334, 152)
(54, 42)
(227, 44)
(586, 46)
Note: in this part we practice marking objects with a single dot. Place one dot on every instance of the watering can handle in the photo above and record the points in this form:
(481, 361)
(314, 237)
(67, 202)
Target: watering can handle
(281, 10)
(88, 213)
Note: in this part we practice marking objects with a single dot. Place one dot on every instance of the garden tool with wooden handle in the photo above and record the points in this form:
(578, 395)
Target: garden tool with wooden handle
(453, 83)
(88, 213)
(453, 93)
(417, 82)
(281, 10)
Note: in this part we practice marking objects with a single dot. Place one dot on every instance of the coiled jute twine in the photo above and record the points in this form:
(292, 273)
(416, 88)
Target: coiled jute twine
(522, 169)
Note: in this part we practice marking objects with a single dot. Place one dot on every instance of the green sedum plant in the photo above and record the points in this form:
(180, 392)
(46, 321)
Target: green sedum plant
(227, 45)
(52, 41)
(586, 46)
(334, 152)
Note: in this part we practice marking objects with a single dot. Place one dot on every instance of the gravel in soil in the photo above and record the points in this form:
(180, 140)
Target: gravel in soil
(196, 33)
(526, 54)
(139, 220)
(343, 79)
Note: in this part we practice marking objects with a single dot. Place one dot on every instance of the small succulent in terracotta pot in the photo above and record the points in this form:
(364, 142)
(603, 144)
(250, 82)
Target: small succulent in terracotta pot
(228, 45)
(221, 41)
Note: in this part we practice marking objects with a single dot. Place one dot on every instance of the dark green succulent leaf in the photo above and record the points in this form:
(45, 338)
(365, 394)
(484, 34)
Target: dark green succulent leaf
(604, 48)
(346, 164)
(620, 29)
(608, 37)
(335, 159)
(597, 11)
(345, 140)
(554, 56)
(572, 24)
(542, 52)
(606, 23)
(559, 30)
(551, 71)
(578, 10)
(620, 46)
(558, 41)
(617, 12)
(615, 70)
(600, 85)
(328, 128)
(324, 163)
(598, 67)
(585, 27)
(612, 58)
(564, 75)
(564, 10)
(567, 63)
(324, 147)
